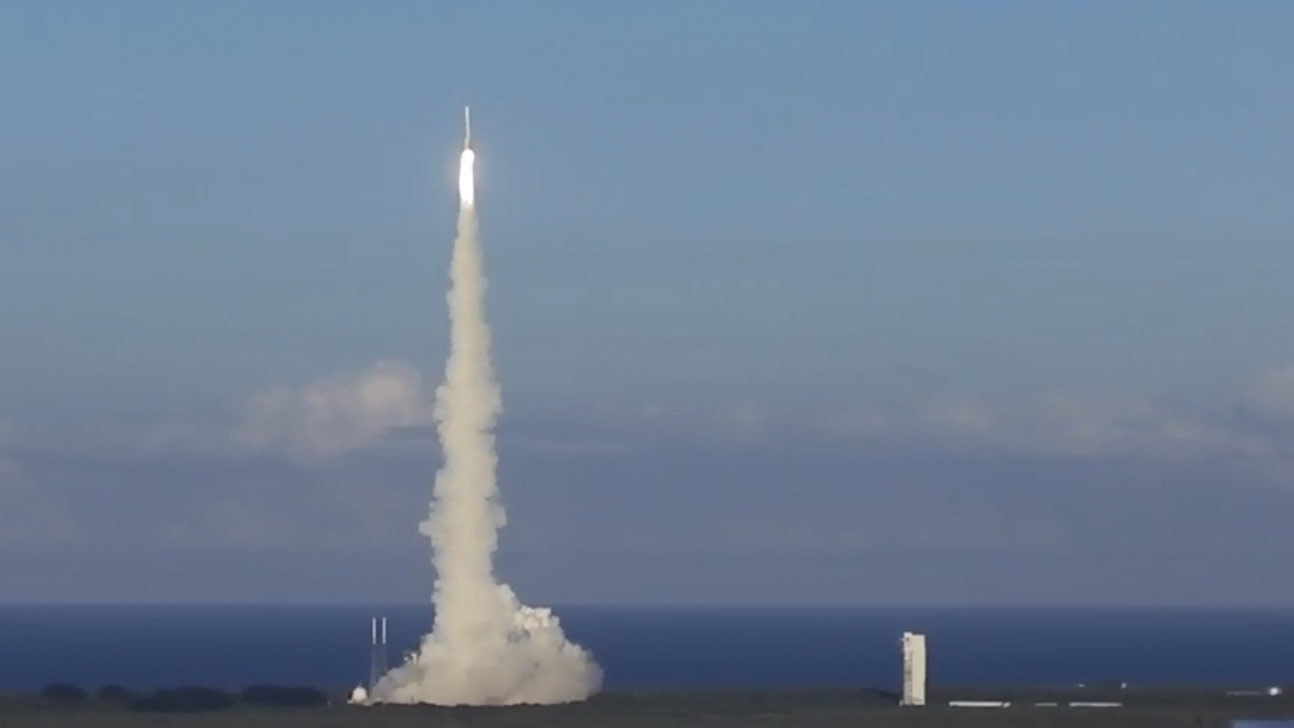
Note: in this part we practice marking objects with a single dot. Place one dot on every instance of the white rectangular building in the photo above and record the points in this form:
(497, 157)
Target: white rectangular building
(914, 669)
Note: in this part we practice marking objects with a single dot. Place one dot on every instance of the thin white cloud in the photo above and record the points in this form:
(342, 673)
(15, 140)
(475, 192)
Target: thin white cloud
(27, 516)
(857, 422)
(571, 447)
(1055, 425)
(232, 524)
(176, 435)
(347, 412)
(336, 414)
(1081, 426)
(1272, 394)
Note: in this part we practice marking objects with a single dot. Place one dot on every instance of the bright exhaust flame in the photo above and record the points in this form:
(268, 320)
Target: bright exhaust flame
(486, 647)
(467, 178)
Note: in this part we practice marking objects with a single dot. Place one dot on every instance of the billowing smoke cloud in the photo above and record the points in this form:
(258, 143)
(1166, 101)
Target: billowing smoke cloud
(485, 648)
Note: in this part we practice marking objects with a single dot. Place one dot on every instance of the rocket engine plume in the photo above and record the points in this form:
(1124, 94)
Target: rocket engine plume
(485, 647)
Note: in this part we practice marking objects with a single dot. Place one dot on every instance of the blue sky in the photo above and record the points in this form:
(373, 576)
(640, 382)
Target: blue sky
(897, 299)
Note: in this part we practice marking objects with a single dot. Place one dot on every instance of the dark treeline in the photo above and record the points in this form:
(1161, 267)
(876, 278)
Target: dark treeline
(189, 698)
(184, 699)
(64, 694)
(291, 697)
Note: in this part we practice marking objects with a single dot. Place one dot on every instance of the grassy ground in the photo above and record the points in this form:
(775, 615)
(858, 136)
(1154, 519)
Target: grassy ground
(704, 709)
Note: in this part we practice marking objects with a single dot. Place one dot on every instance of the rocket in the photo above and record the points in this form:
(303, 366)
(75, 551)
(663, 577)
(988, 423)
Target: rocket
(467, 127)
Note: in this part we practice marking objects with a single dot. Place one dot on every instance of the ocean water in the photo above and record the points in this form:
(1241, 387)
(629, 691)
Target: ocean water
(232, 646)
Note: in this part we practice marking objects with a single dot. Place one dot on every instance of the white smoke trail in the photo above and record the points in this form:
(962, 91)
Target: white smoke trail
(485, 647)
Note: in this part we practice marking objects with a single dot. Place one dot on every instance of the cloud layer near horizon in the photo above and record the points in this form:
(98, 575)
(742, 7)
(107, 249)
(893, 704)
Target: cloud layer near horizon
(336, 414)
(1173, 502)
(355, 411)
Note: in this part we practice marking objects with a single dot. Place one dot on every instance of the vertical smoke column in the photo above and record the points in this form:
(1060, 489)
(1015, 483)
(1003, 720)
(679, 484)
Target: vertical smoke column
(485, 647)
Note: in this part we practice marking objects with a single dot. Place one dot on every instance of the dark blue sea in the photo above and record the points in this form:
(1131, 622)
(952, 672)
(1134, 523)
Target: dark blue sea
(232, 646)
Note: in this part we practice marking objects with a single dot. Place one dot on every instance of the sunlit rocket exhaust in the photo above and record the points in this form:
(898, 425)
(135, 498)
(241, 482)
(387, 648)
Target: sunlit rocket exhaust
(466, 174)
(485, 647)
